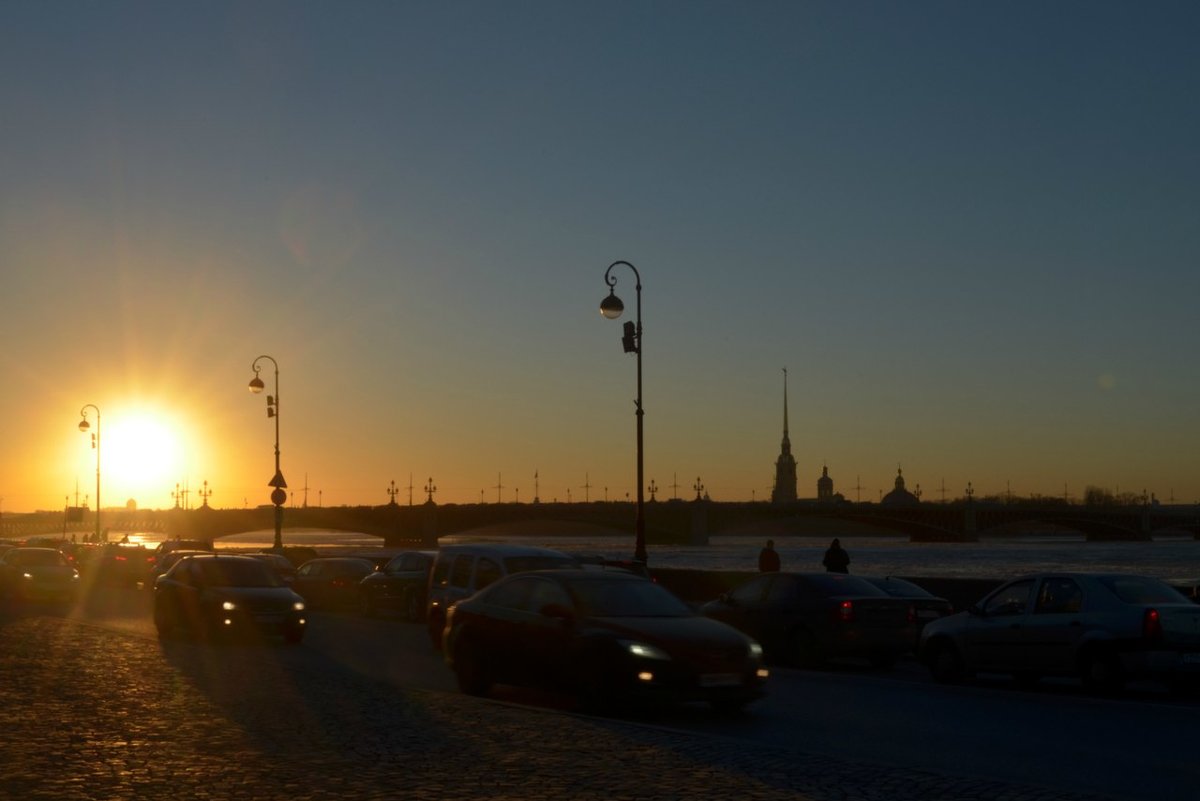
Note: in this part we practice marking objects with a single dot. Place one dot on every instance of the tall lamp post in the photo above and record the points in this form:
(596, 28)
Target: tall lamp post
(612, 307)
(85, 426)
(279, 494)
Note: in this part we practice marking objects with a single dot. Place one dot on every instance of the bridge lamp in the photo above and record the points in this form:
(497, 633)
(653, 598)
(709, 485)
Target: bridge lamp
(279, 494)
(85, 427)
(631, 341)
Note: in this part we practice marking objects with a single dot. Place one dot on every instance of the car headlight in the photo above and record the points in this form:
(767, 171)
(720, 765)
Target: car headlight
(755, 650)
(27, 575)
(228, 606)
(644, 650)
(298, 606)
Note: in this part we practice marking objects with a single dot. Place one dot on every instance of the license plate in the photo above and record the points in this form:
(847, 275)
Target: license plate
(720, 680)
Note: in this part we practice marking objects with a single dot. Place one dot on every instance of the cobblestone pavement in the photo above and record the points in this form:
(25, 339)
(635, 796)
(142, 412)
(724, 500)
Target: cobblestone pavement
(88, 713)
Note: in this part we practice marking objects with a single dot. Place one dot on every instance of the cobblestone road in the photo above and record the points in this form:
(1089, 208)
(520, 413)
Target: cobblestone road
(88, 713)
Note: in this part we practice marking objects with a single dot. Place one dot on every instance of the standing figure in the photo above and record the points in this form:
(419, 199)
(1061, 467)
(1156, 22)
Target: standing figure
(768, 559)
(836, 559)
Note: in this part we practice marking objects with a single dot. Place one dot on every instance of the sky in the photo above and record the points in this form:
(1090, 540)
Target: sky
(967, 230)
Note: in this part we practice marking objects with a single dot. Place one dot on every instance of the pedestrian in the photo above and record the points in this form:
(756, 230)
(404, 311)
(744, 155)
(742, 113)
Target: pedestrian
(768, 559)
(836, 559)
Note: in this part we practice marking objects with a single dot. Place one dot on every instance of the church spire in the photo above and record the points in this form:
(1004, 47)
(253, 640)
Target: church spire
(785, 466)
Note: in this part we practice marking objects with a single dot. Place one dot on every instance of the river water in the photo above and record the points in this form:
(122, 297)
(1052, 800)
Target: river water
(1174, 559)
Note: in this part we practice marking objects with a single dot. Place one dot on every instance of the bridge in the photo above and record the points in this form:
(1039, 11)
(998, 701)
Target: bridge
(667, 522)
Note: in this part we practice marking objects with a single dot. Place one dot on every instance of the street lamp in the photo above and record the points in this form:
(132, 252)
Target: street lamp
(631, 339)
(85, 426)
(278, 495)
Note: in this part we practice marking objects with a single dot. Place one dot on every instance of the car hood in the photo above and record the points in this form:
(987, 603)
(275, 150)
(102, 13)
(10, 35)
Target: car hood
(48, 572)
(671, 632)
(265, 596)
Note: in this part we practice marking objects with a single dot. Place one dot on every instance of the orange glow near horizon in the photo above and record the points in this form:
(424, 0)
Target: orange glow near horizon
(144, 450)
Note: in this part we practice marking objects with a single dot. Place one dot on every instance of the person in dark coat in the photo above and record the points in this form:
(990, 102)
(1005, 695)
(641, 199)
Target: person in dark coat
(836, 559)
(768, 559)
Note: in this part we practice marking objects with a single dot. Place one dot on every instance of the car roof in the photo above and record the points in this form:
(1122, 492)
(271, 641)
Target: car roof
(575, 575)
(501, 549)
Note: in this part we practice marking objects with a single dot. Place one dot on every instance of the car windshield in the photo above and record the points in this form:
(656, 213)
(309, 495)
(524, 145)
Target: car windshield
(900, 588)
(519, 564)
(1142, 590)
(831, 584)
(237, 573)
(627, 599)
(35, 558)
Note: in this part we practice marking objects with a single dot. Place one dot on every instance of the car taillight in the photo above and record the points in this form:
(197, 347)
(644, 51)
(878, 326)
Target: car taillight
(844, 612)
(1152, 629)
(119, 558)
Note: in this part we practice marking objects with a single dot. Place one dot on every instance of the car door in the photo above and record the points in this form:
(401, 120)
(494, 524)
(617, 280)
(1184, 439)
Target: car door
(995, 637)
(745, 607)
(544, 634)
(1054, 628)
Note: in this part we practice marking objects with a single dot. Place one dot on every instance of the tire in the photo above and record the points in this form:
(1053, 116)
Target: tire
(946, 665)
(436, 624)
(469, 669)
(801, 649)
(163, 623)
(411, 606)
(1101, 672)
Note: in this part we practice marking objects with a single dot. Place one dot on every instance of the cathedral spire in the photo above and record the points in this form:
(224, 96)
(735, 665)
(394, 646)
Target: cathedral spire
(785, 466)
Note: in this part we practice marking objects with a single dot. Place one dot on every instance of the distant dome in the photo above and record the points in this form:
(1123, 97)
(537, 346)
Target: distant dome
(899, 496)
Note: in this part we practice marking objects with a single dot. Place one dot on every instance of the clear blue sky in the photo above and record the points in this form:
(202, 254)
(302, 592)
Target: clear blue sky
(968, 230)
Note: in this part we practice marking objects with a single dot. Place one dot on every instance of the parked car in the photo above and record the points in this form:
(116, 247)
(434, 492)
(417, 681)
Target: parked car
(165, 562)
(806, 618)
(398, 586)
(121, 563)
(37, 574)
(927, 606)
(609, 637)
(460, 571)
(1103, 628)
(331, 582)
(209, 594)
(282, 566)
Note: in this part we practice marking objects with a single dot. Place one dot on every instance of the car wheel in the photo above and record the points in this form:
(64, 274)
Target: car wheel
(412, 608)
(469, 670)
(436, 624)
(945, 664)
(1101, 672)
(366, 604)
(162, 621)
(801, 649)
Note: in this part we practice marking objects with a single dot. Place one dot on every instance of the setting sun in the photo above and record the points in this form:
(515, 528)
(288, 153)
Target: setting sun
(142, 456)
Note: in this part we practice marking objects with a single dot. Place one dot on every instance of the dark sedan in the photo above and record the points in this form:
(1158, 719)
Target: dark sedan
(331, 582)
(37, 574)
(399, 586)
(927, 606)
(609, 637)
(210, 594)
(805, 618)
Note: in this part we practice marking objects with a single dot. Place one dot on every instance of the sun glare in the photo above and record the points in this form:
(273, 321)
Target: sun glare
(141, 458)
